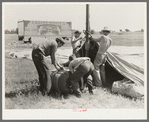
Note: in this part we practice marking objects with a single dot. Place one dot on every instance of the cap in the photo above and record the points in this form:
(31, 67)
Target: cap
(61, 40)
(77, 32)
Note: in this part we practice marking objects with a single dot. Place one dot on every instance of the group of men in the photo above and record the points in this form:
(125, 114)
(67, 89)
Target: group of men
(81, 68)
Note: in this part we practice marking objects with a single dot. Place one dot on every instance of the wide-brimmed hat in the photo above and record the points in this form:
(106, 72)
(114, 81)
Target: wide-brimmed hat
(106, 29)
(61, 40)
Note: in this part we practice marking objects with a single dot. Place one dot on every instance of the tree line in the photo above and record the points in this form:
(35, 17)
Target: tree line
(112, 31)
(13, 31)
(127, 30)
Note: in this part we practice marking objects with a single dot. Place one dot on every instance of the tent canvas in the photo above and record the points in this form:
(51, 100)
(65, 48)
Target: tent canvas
(114, 68)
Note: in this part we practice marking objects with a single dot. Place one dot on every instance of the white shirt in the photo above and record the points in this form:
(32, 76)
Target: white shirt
(74, 64)
(74, 45)
(104, 43)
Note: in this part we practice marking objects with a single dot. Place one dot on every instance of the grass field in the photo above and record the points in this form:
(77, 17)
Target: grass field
(126, 39)
(21, 83)
(118, 39)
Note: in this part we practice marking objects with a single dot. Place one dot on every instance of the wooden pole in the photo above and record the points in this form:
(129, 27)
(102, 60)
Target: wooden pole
(87, 29)
(88, 42)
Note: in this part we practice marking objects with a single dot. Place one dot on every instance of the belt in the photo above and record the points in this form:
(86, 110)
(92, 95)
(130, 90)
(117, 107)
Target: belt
(37, 49)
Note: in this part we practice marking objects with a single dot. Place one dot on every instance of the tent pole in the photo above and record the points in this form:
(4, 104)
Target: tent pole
(87, 29)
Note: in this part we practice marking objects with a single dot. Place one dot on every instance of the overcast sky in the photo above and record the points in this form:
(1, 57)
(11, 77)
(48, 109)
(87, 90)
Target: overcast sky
(114, 15)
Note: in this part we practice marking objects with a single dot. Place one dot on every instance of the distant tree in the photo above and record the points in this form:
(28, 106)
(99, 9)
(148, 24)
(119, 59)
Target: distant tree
(12, 31)
(16, 30)
(127, 30)
(142, 30)
(7, 31)
(120, 30)
(100, 32)
(92, 31)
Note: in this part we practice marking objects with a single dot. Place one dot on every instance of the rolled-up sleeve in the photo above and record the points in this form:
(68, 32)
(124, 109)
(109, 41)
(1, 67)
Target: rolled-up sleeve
(73, 39)
(99, 39)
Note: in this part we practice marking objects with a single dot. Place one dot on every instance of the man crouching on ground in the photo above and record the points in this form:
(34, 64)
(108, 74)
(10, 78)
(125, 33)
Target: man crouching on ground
(46, 48)
(80, 67)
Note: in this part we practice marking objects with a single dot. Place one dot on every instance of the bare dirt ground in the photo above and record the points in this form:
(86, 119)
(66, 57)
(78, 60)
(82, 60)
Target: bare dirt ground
(21, 77)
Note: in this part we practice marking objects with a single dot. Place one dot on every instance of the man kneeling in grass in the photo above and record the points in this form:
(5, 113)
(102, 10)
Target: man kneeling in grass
(80, 67)
(46, 48)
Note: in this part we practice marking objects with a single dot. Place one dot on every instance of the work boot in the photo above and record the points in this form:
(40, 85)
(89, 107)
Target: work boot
(49, 93)
(78, 95)
(43, 92)
(65, 96)
(91, 92)
(83, 91)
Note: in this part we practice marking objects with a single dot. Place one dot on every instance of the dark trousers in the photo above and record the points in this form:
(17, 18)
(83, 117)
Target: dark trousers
(84, 70)
(42, 69)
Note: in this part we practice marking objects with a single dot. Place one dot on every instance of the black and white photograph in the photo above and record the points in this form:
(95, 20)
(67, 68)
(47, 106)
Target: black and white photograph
(82, 60)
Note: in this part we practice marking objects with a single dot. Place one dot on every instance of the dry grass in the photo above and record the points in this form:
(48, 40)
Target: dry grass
(21, 83)
(126, 39)
(21, 92)
(118, 39)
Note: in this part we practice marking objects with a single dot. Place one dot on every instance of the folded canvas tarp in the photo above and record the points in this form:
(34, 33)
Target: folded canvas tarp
(116, 69)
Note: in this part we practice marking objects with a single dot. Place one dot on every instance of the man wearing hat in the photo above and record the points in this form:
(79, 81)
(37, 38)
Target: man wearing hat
(76, 42)
(80, 67)
(46, 48)
(104, 43)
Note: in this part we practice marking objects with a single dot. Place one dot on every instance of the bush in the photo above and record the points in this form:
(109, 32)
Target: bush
(127, 30)
(92, 32)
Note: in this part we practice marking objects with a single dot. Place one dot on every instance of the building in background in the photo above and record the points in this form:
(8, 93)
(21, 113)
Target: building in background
(43, 29)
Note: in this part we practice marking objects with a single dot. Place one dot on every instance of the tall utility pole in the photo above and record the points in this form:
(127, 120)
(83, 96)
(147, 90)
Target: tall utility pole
(87, 29)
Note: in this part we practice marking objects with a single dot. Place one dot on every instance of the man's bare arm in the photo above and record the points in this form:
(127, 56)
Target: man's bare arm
(53, 58)
(70, 67)
(74, 41)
